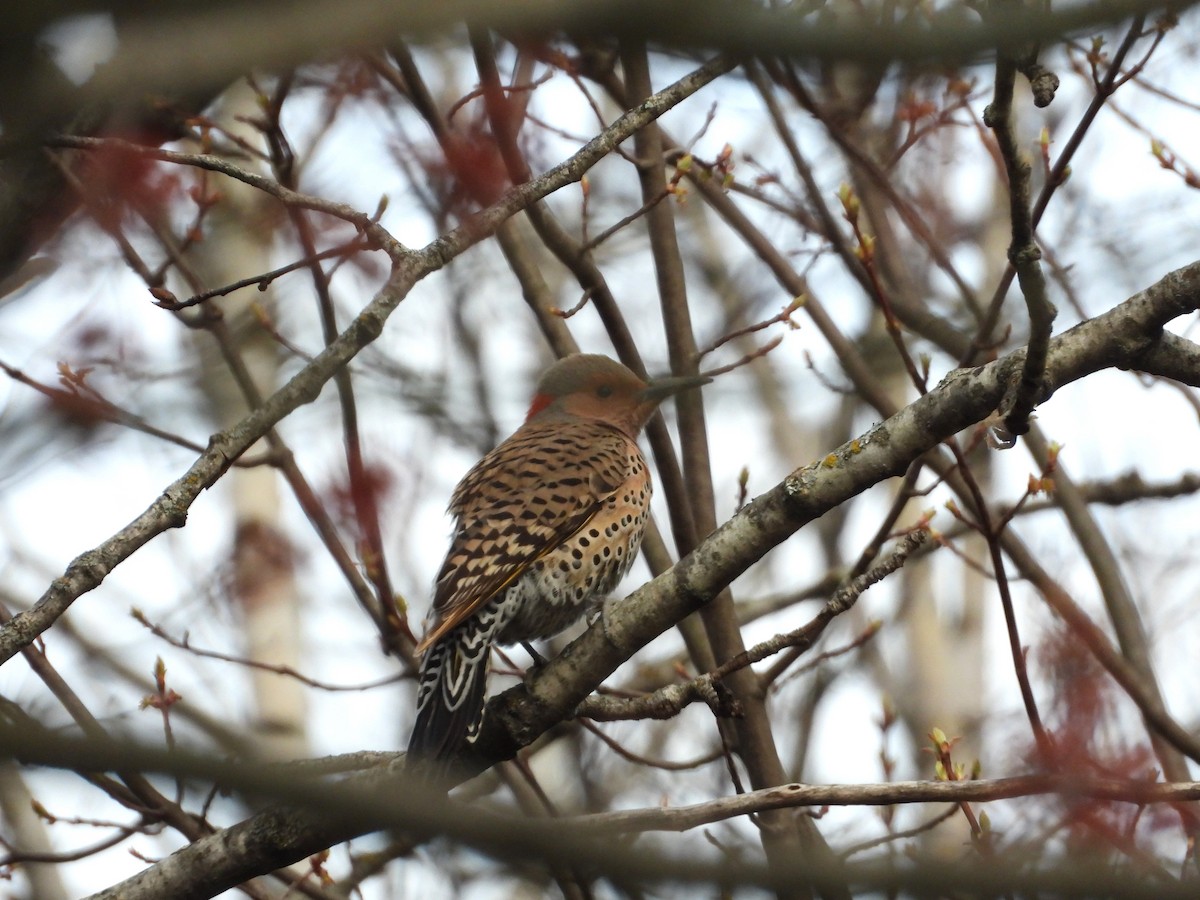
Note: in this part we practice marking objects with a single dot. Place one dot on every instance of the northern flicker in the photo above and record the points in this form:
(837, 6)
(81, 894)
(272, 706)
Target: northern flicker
(546, 525)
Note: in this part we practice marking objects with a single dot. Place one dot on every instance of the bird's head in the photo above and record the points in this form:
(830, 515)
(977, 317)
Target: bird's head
(591, 386)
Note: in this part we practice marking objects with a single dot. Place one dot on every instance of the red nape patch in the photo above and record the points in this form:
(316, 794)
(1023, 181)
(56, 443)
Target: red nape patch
(540, 402)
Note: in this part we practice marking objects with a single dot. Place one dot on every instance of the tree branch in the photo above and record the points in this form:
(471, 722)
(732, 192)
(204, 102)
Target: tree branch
(367, 801)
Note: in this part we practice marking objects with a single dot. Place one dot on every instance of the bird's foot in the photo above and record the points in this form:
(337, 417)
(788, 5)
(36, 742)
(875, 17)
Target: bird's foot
(538, 659)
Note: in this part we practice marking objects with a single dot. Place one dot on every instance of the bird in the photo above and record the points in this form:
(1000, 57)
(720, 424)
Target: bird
(545, 526)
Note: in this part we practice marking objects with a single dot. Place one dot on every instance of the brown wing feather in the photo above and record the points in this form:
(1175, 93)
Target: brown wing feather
(528, 496)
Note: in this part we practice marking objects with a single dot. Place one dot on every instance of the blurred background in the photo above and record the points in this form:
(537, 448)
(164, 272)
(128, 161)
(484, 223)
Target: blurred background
(281, 616)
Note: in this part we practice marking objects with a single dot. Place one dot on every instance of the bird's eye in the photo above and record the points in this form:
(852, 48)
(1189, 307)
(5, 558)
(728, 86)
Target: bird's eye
(605, 390)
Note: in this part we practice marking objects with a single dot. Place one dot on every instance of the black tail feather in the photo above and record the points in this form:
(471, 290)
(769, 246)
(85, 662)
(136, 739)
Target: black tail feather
(450, 696)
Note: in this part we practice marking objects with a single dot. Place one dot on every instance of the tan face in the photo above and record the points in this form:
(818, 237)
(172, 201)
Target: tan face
(596, 388)
(593, 387)
(612, 398)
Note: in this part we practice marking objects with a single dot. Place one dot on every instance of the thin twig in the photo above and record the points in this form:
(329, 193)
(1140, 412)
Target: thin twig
(184, 643)
(264, 280)
(1023, 255)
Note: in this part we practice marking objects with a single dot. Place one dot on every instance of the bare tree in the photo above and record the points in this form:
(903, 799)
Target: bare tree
(917, 610)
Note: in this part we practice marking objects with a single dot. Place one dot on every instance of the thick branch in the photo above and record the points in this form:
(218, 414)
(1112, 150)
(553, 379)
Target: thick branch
(338, 810)
(187, 48)
(335, 810)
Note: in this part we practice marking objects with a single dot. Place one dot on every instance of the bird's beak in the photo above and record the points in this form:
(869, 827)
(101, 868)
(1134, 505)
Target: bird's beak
(661, 388)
